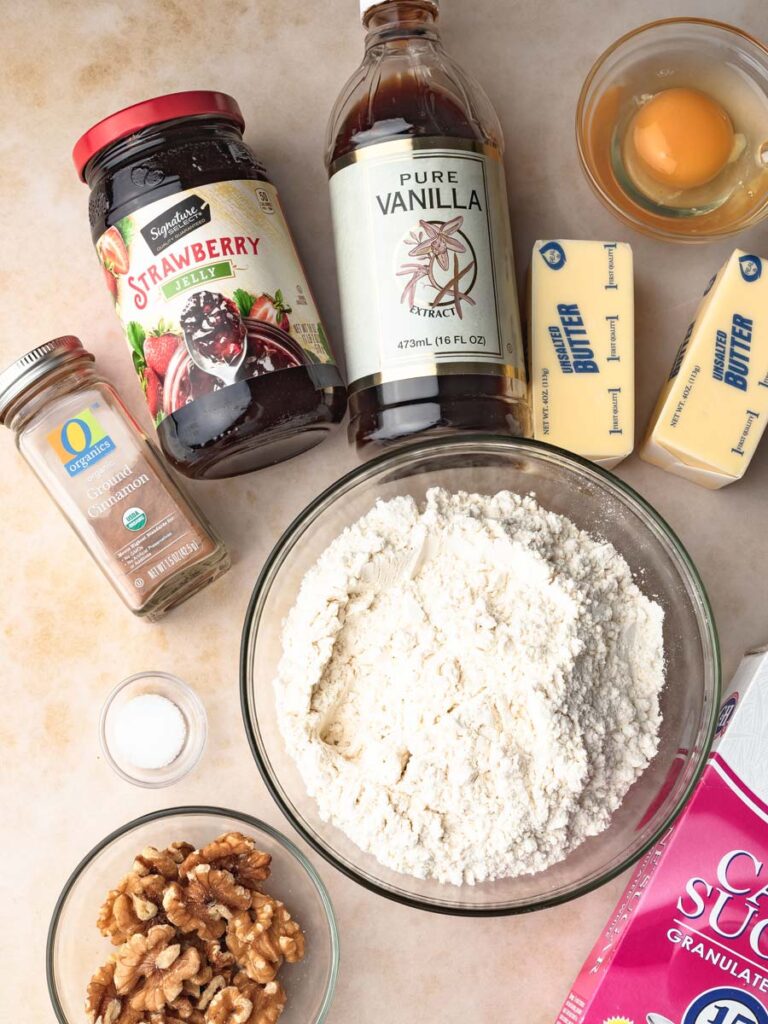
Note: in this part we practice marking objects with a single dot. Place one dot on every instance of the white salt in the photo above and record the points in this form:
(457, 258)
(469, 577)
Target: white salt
(149, 731)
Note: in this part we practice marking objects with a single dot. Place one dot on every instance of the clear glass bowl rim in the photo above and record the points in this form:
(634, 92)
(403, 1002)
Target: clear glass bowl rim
(190, 809)
(200, 740)
(393, 460)
(653, 230)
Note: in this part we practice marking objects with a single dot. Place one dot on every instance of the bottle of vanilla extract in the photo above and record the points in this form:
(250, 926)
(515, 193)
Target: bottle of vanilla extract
(423, 243)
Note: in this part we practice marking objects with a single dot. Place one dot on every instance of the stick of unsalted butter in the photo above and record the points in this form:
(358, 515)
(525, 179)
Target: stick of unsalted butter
(713, 408)
(582, 348)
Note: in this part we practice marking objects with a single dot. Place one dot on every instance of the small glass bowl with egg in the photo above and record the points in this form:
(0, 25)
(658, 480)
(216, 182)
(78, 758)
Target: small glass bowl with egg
(672, 129)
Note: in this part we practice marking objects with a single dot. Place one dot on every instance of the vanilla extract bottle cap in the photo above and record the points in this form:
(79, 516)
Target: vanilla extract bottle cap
(366, 5)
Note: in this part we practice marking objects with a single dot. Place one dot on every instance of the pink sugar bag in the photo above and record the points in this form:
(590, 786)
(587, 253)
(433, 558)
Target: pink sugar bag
(688, 941)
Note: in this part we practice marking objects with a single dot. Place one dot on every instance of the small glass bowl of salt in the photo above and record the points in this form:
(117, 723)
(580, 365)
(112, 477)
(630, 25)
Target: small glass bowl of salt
(152, 729)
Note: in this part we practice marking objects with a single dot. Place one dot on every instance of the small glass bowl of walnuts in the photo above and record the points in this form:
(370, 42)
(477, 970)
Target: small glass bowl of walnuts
(193, 915)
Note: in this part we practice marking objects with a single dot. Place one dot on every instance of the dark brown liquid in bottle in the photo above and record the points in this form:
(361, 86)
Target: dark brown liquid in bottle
(407, 107)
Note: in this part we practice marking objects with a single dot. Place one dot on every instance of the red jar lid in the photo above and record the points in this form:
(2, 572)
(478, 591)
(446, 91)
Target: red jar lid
(141, 115)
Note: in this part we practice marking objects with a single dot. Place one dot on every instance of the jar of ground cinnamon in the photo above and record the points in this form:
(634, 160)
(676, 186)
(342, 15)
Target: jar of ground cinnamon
(72, 428)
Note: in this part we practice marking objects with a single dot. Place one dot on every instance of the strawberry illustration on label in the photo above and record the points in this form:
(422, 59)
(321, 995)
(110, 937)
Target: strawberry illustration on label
(113, 251)
(153, 390)
(111, 280)
(272, 309)
(160, 347)
(153, 355)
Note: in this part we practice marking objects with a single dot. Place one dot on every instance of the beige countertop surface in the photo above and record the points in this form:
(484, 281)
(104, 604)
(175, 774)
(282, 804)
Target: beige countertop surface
(65, 639)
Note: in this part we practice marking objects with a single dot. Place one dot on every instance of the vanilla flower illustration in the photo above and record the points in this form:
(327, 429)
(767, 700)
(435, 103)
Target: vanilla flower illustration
(416, 271)
(439, 240)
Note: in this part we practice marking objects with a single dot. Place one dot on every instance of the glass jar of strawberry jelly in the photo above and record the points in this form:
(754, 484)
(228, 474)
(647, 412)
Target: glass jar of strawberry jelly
(220, 321)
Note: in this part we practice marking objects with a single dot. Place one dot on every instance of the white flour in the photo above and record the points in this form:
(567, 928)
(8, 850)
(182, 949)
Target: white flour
(469, 690)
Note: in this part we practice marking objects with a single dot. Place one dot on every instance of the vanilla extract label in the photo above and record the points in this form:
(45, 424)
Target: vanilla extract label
(415, 193)
(424, 253)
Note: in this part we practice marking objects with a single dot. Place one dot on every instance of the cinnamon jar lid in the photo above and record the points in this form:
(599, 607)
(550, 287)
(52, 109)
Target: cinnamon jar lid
(194, 103)
(32, 367)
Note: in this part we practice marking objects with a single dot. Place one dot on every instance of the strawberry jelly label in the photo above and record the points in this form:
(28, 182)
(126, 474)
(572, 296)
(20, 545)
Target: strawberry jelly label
(426, 271)
(210, 291)
(688, 943)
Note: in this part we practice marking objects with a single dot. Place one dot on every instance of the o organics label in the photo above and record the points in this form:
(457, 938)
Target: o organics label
(210, 291)
(80, 442)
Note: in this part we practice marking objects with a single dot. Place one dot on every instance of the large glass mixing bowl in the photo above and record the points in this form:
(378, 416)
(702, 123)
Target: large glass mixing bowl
(596, 501)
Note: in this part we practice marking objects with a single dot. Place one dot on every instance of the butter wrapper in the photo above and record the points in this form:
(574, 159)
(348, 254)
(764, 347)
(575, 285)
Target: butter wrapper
(712, 410)
(582, 349)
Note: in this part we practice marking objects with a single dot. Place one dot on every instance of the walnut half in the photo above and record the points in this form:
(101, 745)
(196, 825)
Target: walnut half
(263, 937)
(229, 1006)
(253, 948)
(152, 969)
(152, 861)
(235, 853)
(206, 902)
(261, 1004)
(132, 908)
(102, 1003)
(268, 1000)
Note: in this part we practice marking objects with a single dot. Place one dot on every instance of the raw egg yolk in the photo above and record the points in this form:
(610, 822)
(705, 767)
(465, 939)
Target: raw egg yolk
(682, 137)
